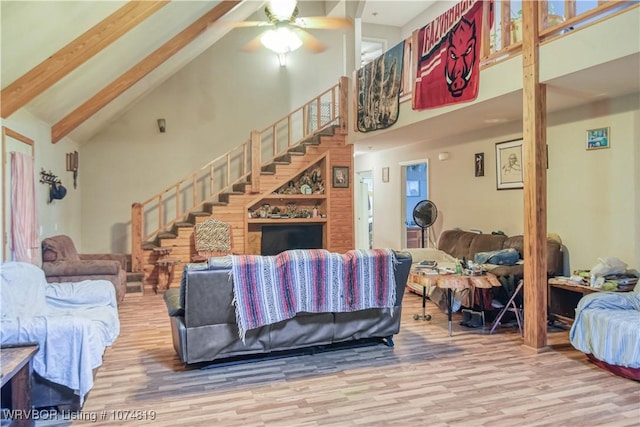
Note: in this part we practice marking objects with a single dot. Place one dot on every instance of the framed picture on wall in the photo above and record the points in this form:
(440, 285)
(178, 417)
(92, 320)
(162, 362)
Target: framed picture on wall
(385, 174)
(509, 174)
(479, 164)
(598, 138)
(341, 176)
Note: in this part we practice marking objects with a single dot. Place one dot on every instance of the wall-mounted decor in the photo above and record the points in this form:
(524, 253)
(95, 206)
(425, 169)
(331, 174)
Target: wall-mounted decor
(378, 88)
(309, 182)
(162, 125)
(56, 189)
(72, 166)
(341, 176)
(448, 57)
(385, 174)
(479, 164)
(509, 174)
(598, 138)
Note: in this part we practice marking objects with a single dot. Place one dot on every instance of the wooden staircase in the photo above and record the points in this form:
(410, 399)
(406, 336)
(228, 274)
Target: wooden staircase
(327, 145)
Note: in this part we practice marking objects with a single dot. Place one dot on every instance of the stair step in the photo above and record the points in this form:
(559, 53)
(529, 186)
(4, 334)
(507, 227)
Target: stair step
(328, 131)
(134, 277)
(224, 197)
(312, 140)
(300, 150)
(166, 235)
(210, 206)
(147, 246)
(239, 187)
(192, 217)
(183, 224)
(271, 168)
(134, 287)
(283, 160)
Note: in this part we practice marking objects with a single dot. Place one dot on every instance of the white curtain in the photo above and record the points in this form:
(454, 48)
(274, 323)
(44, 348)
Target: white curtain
(24, 215)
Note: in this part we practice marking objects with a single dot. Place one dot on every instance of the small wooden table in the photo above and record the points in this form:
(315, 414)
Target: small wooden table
(453, 281)
(563, 297)
(166, 268)
(17, 369)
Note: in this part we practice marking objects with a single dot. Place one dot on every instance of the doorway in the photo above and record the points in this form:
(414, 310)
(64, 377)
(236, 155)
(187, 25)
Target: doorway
(364, 210)
(416, 189)
(11, 142)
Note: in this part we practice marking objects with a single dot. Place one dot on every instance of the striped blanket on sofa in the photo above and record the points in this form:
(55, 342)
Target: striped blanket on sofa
(269, 289)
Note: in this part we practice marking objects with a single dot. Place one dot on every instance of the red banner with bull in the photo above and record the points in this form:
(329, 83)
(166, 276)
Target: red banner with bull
(449, 57)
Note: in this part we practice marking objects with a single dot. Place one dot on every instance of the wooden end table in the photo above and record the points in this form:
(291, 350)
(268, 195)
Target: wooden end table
(453, 281)
(563, 297)
(17, 369)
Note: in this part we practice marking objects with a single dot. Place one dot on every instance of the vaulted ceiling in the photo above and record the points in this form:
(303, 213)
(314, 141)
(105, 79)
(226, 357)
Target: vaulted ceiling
(77, 64)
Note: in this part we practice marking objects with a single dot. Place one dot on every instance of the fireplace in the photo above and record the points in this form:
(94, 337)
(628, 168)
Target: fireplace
(278, 238)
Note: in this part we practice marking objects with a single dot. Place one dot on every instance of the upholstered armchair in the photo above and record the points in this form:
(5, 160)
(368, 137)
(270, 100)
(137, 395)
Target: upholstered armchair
(61, 262)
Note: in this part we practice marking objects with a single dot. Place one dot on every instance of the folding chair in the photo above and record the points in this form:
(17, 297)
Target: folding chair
(512, 307)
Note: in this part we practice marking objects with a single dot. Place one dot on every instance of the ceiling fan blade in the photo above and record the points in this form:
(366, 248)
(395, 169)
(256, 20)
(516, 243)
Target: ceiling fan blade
(247, 24)
(311, 43)
(253, 45)
(323, 22)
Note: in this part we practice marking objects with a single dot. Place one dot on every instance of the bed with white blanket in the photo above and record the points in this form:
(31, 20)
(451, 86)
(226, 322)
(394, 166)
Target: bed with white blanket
(72, 323)
(607, 330)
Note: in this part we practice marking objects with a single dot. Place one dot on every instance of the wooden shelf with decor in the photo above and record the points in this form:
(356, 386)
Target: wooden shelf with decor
(302, 201)
(304, 197)
(287, 220)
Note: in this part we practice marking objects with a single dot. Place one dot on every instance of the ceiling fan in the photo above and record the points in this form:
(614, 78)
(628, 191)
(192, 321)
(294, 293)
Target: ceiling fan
(287, 31)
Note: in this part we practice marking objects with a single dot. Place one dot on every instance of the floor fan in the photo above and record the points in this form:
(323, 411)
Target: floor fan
(424, 215)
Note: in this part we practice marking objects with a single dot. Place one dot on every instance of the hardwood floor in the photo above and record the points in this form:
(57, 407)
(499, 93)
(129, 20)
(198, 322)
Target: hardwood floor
(428, 379)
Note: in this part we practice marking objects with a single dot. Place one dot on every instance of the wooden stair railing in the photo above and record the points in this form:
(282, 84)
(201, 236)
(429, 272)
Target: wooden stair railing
(241, 165)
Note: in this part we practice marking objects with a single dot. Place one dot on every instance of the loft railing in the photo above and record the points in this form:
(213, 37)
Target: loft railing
(240, 165)
(503, 39)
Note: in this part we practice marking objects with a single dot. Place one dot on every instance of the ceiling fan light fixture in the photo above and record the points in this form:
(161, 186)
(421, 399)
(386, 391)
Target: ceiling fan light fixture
(281, 40)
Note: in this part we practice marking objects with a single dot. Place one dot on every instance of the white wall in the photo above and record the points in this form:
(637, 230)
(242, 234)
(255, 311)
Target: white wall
(61, 216)
(592, 195)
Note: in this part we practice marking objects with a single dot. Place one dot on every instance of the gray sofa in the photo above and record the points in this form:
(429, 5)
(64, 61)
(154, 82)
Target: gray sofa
(204, 328)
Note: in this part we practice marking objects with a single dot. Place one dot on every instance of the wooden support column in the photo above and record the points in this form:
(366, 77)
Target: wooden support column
(535, 185)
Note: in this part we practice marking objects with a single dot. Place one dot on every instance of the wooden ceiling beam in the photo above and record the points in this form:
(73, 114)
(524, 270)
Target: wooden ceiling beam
(137, 72)
(74, 54)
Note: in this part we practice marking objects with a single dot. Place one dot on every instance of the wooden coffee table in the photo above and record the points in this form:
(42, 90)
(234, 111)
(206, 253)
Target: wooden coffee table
(17, 369)
(453, 281)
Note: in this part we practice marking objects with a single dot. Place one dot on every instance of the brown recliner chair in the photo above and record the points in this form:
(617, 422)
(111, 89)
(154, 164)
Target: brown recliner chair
(61, 262)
